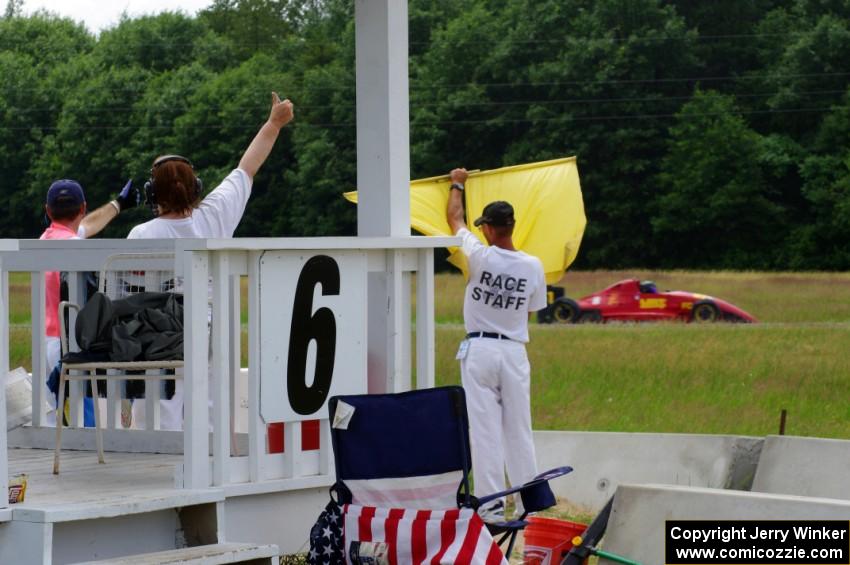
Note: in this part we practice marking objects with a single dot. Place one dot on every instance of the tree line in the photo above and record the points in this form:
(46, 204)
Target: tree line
(708, 134)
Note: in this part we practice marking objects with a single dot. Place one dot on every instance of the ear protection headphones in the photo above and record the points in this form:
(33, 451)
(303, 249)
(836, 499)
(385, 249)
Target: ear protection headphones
(150, 186)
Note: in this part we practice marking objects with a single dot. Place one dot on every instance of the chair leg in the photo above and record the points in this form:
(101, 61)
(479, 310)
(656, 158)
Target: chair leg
(96, 408)
(510, 549)
(512, 535)
(60, 417)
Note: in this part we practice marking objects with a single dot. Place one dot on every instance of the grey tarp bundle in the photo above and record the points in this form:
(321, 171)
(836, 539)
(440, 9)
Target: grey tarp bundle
(142, 327)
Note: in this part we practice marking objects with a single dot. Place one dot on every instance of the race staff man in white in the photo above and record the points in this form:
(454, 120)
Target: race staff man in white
(175, 194)
(505, 286)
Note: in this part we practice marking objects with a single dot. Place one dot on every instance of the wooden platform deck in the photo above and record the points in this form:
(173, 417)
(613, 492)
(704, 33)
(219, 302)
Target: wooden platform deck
(128, 483)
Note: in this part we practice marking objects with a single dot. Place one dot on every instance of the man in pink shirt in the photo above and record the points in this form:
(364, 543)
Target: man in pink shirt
(66, 209)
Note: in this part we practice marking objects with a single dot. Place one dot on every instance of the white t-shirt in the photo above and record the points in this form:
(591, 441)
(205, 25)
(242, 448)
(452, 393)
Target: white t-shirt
(217, 216)
(504, 286)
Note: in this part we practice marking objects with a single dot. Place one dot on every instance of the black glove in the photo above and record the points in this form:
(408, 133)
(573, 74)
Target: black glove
(128, 197)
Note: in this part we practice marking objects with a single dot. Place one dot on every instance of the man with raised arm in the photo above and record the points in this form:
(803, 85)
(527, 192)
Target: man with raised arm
(505, 285)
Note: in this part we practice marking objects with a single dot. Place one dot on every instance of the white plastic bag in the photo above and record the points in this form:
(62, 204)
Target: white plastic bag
(18, 399)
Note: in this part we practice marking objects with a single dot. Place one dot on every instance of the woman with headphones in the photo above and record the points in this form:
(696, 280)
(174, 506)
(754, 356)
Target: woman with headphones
(174, 193)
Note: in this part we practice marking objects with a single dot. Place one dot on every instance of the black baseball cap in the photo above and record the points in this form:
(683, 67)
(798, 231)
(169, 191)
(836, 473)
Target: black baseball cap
(498, 213)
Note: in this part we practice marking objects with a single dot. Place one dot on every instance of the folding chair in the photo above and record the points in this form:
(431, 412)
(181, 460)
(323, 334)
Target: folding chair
(117, 283)
(402, 475)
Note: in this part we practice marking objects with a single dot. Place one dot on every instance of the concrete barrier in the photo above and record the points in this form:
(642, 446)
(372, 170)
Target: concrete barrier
(804, 466)
(636, 525)
(604, 460)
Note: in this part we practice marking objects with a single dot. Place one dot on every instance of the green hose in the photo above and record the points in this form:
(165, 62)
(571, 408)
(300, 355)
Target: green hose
(613, 557)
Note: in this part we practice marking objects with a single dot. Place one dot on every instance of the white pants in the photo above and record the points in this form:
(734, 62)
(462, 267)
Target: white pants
(496, 376)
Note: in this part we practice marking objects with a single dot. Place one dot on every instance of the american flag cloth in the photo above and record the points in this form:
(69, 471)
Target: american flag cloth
(397, 536)
(326, 537)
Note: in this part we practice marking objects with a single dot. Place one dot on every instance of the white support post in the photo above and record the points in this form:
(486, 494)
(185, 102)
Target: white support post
(383, 170)
(76, 407)
(256, 426)
(4, 323)
(113, 403)
(383, 136)
(196, 462)
(235, 331)
(153, 387)
(76, 388)
(291, 449)
(39, 357)
(425, 319)
(326, 452)
(405, 330)
(398, 316)
(153, 408)
(77, 295)
(386, 365)
(4, 370)
(27, 542)
(221, 366)
(221, 521)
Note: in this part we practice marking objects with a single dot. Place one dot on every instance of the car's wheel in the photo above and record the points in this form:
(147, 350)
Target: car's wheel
(590, 317)
(566, 311)
(705, 311)
(545, 316)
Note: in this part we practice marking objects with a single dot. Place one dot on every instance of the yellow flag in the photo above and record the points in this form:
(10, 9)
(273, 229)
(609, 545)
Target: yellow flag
(547, 203)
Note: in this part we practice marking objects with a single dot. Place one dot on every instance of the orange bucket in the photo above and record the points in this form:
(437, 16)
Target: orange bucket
(548, 540)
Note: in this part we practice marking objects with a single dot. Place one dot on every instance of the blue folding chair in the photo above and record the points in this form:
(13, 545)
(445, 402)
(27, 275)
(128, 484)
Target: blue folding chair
(411, 450)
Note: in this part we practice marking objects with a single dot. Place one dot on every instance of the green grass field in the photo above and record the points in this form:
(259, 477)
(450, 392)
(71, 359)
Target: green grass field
(671, 377)
(668, 377)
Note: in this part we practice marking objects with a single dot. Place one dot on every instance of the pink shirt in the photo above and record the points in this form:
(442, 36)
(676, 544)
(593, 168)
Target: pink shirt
(51, 279)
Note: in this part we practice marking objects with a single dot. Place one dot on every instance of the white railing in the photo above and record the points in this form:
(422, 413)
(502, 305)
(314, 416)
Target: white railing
(75, 258)
(6, 246)
(392, 261)
(240, 459)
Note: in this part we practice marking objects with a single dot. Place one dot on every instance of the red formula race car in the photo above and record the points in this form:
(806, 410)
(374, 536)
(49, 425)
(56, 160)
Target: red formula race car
(631, 300)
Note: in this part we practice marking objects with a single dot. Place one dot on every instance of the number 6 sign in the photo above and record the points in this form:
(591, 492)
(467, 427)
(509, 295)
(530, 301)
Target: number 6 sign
(313, 327)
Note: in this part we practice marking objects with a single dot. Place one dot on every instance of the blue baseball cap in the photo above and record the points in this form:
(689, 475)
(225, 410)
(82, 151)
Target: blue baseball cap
(65, 193)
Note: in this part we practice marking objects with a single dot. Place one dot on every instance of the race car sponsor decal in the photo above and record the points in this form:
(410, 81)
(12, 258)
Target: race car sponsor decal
(687, 305)
(652, 303)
